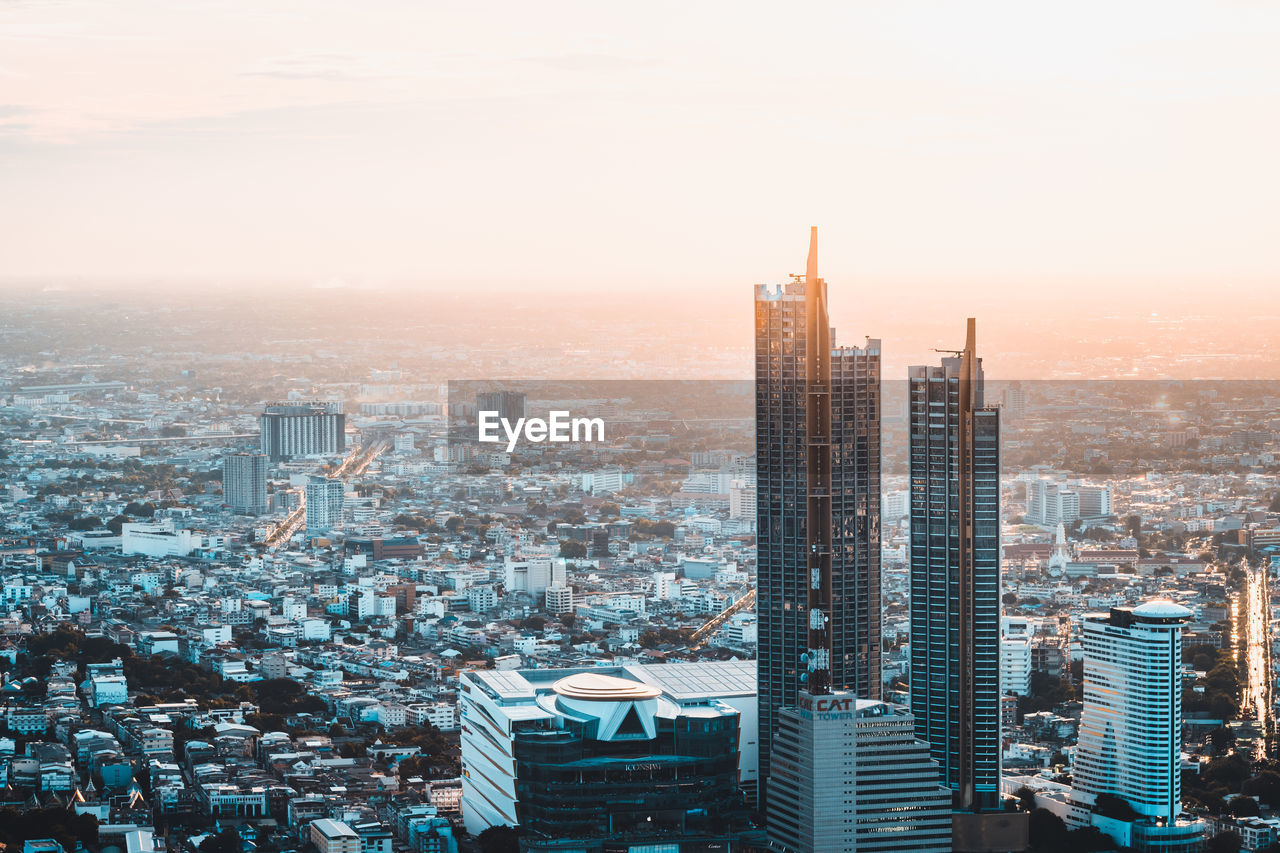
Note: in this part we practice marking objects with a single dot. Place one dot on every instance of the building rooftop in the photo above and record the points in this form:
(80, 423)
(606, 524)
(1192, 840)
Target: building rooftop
(1162, 608)
(333, 828)
(704, 680)
(681, 682)
(595, 687)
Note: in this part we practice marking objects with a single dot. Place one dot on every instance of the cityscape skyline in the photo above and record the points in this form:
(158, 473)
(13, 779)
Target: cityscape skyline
(391, 460)
(583, 624)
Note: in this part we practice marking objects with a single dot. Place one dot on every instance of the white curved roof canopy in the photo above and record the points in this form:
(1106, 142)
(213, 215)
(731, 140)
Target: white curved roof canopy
(595, 687)
(1162, 608)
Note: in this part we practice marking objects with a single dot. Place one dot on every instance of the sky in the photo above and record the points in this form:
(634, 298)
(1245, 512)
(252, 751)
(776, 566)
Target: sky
(1042, 152)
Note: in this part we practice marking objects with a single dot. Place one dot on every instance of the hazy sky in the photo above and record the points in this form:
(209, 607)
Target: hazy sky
(1053, 148)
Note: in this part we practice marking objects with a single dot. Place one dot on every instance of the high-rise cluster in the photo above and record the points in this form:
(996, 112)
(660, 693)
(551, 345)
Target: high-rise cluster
(818, 520)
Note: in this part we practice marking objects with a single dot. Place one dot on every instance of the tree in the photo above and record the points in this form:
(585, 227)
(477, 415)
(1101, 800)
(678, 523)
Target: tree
(140, 510)
(227, 841)
(609, 510)
(284, 696)
(1265, 786)
(1110, 805)
(1221, 738)
(1243, 806)
(1047, 692)
(117, 524)
(1026, 798)
(1045, 831)
(499, 839)
(573, 550)
(85, 522)
(1224, 842)
(1088, 839)
(1228, 772)
(67, 828)
(414, 522)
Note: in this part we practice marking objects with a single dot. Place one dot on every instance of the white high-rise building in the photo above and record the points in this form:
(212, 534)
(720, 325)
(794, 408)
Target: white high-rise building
(742, 499)
(1068, 507)
(1050, 504)
(533, 575)
(708, 481)
(896, 505)
(1042, 503)
(850, 774)
(1015, 655)
(1095, 501)
(665, 586)
(1131, 728)
(559, 600)
(325, 500)
(482, 598)
(605, 481)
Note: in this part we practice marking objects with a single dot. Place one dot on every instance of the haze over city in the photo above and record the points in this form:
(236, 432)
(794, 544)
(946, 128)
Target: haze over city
(998, 158)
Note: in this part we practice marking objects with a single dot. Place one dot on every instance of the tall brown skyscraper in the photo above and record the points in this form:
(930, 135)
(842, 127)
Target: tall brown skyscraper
(818, 502)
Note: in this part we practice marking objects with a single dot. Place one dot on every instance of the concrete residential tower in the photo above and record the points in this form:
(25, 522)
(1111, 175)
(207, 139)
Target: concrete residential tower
(244, 482)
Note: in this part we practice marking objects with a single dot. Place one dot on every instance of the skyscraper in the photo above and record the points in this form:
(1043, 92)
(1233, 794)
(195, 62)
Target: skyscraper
(303, 429)
(1131, 728)
(817, 502)
(954, 448)
(244, 482)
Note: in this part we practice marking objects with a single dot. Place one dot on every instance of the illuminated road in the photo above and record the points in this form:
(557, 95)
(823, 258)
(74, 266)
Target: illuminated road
(355, 464)
(1254, 607)
(703, 634)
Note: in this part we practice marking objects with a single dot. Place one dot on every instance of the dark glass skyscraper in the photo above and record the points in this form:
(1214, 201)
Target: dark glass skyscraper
(954, 448)
(817, 502)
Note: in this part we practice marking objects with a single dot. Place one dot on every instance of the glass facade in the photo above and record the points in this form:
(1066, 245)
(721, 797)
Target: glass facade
(782, 501)
(954, 448)
(679, 788)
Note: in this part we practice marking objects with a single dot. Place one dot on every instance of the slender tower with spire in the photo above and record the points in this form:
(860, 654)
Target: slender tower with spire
(818, 509)
(954, 456)
(817, 502)
(842, 770)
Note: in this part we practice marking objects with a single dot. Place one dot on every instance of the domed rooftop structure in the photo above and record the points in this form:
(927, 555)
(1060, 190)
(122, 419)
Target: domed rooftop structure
(1162, 608)
(597, 687)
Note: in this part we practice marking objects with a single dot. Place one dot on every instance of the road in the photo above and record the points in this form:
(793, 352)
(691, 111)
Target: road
(355, 464)
(1254, 606)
